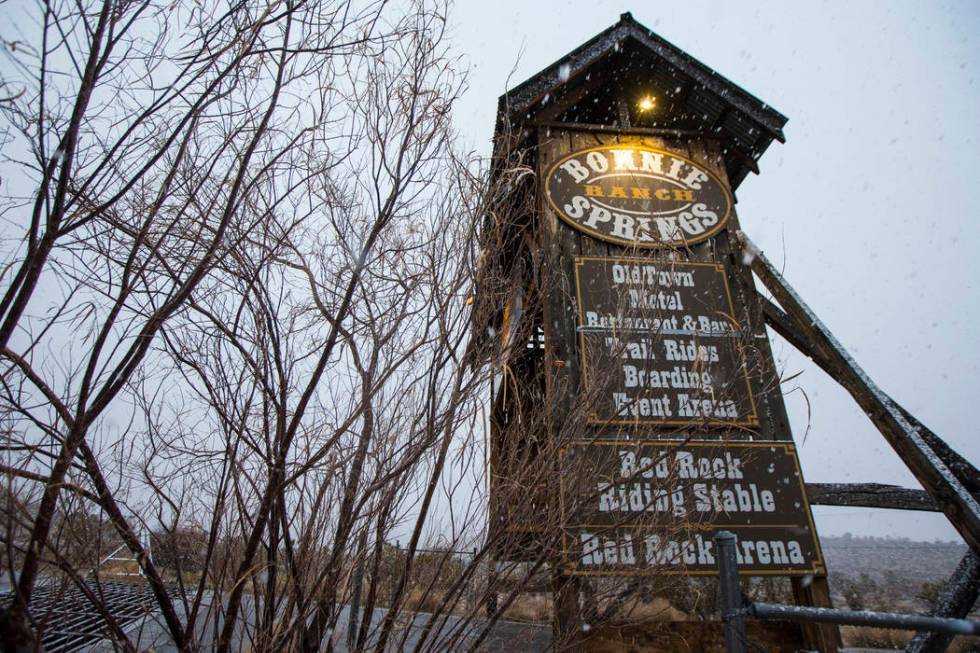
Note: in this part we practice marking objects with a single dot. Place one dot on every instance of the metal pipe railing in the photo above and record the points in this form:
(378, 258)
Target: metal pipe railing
(863, 618)
(734, 609)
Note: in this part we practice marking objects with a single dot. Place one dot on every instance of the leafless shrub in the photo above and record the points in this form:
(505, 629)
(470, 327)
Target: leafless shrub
(253, 314)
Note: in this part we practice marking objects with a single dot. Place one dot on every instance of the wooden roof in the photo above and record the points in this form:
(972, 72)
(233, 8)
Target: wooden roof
(626, 61)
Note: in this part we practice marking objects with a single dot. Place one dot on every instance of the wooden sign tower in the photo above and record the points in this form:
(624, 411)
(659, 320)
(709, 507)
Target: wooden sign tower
(638, 409)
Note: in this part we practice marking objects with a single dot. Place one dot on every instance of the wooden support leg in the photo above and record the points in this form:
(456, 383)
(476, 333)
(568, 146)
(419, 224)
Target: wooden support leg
(566, 623)
(815, 592)
(935, 475)
(956, 600)
(490, 598)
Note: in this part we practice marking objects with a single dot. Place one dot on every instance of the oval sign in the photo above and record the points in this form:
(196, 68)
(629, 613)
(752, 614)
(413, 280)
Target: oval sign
(638, 196)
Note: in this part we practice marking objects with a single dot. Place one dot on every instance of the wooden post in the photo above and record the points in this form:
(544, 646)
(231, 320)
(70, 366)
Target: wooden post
(956, 600)
(490, 600)
(566, 622)
(870, 495)
(815, 592)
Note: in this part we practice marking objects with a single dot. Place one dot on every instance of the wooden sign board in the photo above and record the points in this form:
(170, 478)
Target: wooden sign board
(637, 196)
(660, 351)
(659, 343)
(653, 507)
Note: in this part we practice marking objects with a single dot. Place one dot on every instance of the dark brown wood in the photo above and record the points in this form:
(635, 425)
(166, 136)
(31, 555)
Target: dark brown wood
(815, 592)
(627, 131)
(748, 161)
(774, 421)
(870, 495)
(602, 292)
(559, 246)
(770, 469)
(955, 601)
(528, 113)
(935, 476)
(600, 56)
(784, 326)
(566, 623)
(568, 98)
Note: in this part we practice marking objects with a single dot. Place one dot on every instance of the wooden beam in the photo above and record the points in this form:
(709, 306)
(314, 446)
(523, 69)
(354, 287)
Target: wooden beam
(962, 468)
(782, 324)
(869, 495)
(955, 601)
(963, 587)
(566, 99)
(566, 619)
(957, 503)
(746, 159)
(660, 132)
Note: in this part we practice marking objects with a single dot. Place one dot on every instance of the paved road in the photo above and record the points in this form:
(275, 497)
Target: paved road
(505, 636)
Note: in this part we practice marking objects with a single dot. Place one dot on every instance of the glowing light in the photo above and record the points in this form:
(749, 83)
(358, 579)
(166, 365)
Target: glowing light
(648, 103)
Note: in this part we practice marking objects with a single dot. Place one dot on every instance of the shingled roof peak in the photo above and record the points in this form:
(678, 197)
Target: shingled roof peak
(744, 117)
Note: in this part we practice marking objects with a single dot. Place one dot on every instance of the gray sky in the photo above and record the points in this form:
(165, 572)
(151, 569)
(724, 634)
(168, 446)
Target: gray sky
(872, 206)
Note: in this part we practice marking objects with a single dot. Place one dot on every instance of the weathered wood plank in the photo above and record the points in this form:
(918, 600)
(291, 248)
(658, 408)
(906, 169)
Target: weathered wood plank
(628, 131)
(955, 601)
(825, 638)
(964, 471)
(869, 495)
(957, 503)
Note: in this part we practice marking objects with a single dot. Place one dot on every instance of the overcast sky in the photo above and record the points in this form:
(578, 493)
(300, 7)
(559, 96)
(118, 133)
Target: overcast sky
(872, 206)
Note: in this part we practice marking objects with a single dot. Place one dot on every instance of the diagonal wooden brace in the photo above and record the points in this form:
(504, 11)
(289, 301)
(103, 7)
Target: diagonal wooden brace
(960, 592)
(956, 600)
(960, 466)
(956, 502)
